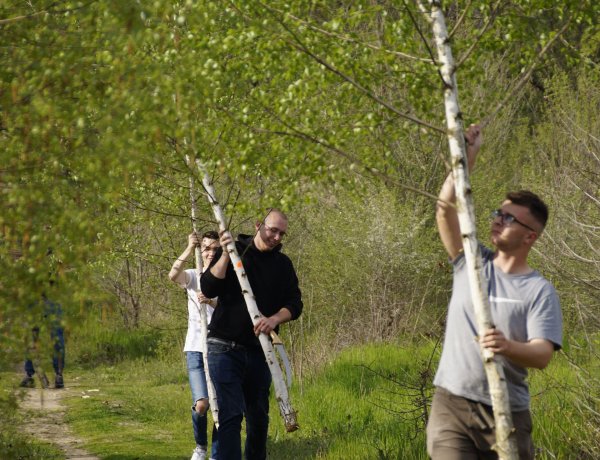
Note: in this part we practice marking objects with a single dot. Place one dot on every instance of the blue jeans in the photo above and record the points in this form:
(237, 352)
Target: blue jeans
(195, 367)
(58, 355)
(242, 380)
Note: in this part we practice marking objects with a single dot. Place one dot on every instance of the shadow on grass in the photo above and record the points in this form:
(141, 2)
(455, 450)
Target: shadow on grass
(140, 457)
(288, 449)
(296, 448)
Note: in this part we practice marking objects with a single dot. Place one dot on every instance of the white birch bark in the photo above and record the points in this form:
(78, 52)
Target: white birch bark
(506, 445)
(281, 393)
(212, 394)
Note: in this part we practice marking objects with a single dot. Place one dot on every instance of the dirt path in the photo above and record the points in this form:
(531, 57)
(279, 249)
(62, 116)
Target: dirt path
(46, 419)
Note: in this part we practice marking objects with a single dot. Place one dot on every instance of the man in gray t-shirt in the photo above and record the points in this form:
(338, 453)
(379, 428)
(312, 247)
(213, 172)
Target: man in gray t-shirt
(527, 318)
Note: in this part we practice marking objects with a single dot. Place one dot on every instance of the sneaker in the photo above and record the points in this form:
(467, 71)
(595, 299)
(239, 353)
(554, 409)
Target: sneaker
(58, 381)
(199, 453)
(27, 382)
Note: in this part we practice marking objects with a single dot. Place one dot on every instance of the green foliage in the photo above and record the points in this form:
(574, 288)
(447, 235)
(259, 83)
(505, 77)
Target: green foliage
(362, 271)
(562, 164)
(305, 105)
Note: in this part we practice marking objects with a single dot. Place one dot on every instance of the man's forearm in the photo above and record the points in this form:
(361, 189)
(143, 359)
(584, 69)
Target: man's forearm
(446, 214)
(177, 268)
(446, 197)
(447, 219)
(535, 353)
(282, 316)
(219, 269)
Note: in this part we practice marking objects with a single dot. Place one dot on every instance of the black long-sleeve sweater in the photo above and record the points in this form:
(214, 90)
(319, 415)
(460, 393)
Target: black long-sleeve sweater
(274, 284)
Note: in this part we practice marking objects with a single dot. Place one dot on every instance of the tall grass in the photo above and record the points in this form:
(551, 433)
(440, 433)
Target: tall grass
(369, 402)
(353, 409)
(366, 404)
(566, 403)
(95, 342)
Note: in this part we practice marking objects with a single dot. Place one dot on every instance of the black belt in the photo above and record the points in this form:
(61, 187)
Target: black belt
(229, 343)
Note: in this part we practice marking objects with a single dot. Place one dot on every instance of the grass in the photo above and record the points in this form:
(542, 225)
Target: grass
(368, 403)
(566, 408)
(14, 444)
(344, 413)
(356, 408)
(92, 343)
(143, 404)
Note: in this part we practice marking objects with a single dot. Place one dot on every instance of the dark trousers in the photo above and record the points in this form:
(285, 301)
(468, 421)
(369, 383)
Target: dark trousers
(461, 429)
(242, 379)
(58, 355)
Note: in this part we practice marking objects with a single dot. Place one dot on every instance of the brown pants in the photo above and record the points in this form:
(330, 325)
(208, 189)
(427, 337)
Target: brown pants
(461, 429)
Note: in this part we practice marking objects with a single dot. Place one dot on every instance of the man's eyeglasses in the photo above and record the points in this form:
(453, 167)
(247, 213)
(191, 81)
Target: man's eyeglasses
(507, 219)
(275, 231)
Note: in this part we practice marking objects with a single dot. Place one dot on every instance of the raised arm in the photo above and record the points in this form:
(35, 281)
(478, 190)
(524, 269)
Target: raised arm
(446, 215)
(219, 269)
(177, 273)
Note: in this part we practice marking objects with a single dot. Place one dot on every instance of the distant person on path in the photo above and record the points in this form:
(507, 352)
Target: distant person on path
(194, 348)
(53, 321)
(235, 358)
(527, 319)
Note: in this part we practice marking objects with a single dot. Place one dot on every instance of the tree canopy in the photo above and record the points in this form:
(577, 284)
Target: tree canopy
(284, 101)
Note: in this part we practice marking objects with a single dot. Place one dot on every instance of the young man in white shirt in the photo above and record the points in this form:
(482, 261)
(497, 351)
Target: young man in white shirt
(194, 348)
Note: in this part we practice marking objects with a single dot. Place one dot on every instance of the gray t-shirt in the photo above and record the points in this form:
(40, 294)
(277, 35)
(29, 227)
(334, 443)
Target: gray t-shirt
(524, 307)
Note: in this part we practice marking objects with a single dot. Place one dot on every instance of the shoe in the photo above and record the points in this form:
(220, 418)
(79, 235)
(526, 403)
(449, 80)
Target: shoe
(199, 453)
(58, 381)
(27, 382)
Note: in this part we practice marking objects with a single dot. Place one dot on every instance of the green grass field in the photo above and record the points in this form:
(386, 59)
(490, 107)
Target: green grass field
(368, 403)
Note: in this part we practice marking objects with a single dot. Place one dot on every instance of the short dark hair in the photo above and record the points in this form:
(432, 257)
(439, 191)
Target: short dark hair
(531, 201)
(211, 235)
(275, 211)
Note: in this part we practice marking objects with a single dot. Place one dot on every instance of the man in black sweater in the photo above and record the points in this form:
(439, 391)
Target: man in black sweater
(236, 362)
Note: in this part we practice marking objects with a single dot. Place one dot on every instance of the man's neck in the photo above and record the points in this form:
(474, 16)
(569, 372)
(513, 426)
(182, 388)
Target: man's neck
(258, 244)
(512, 264)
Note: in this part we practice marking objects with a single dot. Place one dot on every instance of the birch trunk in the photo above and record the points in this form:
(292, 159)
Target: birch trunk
(212, 394)
(506, 445)
(281, 393)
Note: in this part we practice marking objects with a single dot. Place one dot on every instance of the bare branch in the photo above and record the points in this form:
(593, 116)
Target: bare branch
(460, 19)
(300, 46)
(426, 13)
(423, 39)
(297, 133)
(511, 94)
(495, 10)
(48, 9)
(353, 40)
